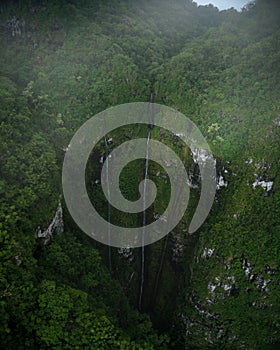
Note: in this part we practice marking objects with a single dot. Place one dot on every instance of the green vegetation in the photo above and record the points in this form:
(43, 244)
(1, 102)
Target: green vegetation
(62, 62)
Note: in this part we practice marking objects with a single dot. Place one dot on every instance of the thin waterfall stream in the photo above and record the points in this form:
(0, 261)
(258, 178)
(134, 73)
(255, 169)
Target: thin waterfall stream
(109, 206)
(144, 203)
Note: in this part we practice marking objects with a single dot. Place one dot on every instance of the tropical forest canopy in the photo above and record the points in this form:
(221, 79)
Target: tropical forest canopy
(61, 63)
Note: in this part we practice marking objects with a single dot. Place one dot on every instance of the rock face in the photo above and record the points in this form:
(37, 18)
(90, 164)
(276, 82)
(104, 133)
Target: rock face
(227, 287)
(258, 278)
(16, 26)
(55, 225)
(126, 253)
(261, 170)
(221, 182)
(207, 252)
(200, 155)
(266, 185)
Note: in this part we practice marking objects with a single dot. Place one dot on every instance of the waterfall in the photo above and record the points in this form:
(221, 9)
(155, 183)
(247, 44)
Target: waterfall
(144, 221)
(151, 125)
(151, 116)
(108, 207)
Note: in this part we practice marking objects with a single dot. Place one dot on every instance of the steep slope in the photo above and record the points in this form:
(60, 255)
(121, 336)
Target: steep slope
(228, 82)
(61, 63)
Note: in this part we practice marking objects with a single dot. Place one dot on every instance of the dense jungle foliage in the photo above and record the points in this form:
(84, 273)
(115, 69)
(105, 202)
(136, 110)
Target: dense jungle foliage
(62, 62)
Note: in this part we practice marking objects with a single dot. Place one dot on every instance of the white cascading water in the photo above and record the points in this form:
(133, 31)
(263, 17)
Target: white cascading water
(108, 208)
(144, 202)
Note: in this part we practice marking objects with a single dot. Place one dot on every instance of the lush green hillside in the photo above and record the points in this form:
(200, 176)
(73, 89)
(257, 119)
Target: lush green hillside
(61, 63)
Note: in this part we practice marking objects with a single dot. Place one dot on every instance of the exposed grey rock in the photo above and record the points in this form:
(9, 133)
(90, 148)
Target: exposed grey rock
(126, 253)
(55, 225)
(16, 26)
(207, 252)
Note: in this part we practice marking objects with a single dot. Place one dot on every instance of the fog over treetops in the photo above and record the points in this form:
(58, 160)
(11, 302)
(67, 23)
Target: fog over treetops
(63, 62)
